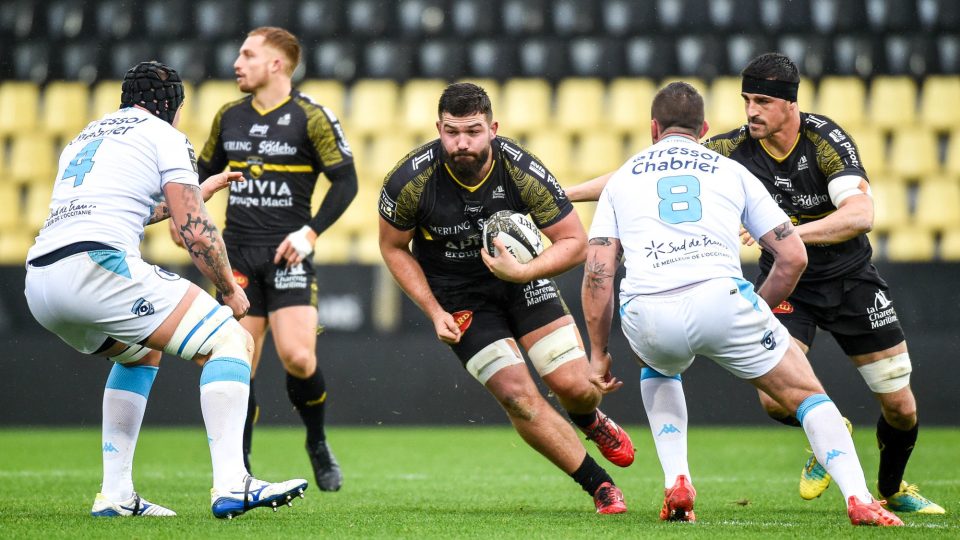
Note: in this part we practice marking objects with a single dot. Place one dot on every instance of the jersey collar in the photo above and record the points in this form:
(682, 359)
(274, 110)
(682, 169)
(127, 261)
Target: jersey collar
(780, 159)
(471, 189)
(271, 109)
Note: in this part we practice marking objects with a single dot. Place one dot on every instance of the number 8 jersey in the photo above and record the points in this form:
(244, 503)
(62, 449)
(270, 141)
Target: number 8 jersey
(676, 208)
(110, 178)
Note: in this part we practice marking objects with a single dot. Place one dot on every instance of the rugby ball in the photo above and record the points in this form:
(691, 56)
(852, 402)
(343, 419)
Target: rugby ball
(520, 236)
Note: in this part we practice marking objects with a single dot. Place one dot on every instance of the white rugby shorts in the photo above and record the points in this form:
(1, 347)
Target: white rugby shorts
(722, 319)
(86, 297)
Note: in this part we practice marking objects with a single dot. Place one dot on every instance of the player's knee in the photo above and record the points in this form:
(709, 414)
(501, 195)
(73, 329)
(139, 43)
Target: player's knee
(491, 359)
(519, 406)
(204, 325)
(887, 375)
(300, 363)
(230, 341)
(556, 349)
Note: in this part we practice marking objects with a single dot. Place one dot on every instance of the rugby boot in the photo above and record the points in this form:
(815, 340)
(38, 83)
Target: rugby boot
(255, 494)
(134, 506)
(611, 439)
(325, 467)
(678, 501)
(609, 499)
(814, 478)
(872, 513)
(909, 499)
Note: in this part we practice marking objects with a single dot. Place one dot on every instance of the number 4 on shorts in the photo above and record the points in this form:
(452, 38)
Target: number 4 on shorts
(81, 164)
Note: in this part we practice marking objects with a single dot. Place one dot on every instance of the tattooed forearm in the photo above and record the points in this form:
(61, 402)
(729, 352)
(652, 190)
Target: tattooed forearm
(160, 212)
(600, 241)
(597, 275)
(783, 230)
(203, 242)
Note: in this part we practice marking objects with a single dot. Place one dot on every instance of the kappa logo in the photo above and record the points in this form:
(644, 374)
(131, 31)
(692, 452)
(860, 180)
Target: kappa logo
(425, 157)
(259, 130)
(880, 301)
(768, 341)
(817, 122)
(802, 164)
(667, 429)
(514, 153)
(784, 307)
(109, 447)
(832, 454)
(499, 193)
(142, 307)
(284, 120)
(463, 319)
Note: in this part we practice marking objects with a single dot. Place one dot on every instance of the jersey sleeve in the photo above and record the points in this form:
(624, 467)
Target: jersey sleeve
(327, 137)
(604, 223)
(404, 186)
(176, 158)
(837, 153)
(725, 143)
(213, 158)
(539, 189)
(760, 212)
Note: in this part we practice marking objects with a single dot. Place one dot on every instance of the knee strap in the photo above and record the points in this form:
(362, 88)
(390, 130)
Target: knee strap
(492, 359)
(887, 375)
(555, 349)
(131, 354)
(199, 324)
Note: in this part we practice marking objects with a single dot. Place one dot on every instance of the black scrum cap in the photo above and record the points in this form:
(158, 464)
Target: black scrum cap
(155, 87)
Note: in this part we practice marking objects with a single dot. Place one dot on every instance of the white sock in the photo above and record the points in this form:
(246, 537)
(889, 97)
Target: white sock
(833, 446)
(666, 409)
(124, 402)
(223, 401)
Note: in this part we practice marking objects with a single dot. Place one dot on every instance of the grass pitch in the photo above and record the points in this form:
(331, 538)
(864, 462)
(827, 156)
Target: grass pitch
(463, 482)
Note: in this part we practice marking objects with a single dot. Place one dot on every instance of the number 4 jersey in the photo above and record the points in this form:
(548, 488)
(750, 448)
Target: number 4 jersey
(111, 176)
(677, 208)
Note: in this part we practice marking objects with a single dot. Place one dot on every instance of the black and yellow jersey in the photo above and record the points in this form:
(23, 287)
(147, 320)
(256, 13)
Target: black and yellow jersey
(798, 182)
(281, 152)
(422, 193)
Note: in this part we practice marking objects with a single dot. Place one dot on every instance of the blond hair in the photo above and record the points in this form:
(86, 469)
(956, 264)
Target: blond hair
(283, 41)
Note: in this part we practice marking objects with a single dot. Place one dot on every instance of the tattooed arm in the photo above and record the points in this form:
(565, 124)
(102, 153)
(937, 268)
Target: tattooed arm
(603, 255)
(203, 242)
(209, 186)
(790, 259)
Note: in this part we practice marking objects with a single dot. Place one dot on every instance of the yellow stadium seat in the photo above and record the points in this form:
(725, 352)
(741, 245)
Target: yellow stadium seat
(37, 206)
(333, 247)
(940, 102)
(893, 102)
(628, 106)
(526, 107)
(199, 111)
(383, 154)
(361, 215)
(950, 245)
(938, 204)
(65, 108)
(373, 107)
(907, 244)
(33, 159)
(106, 98)
(419, 99)
(724, 105)
(872, 146)
(555, 150)
(19, 107)
(636, 142)
(328, 92)
(952, 164)
(10, 201)
(913, 153)
(597, 153)
(842, 99)
(891, 206)
(217, 207)
(366, 248)
(580, 105)
(585, 211)
(158, 247)
(806, 94)
(491, 87)
(14, 246)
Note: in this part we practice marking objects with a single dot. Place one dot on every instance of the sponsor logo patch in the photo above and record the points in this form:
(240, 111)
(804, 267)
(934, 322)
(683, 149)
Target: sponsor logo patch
(142, 307)
(463, 319)
(241, 279)
(768, 341)
(259, 130)
(784, 307)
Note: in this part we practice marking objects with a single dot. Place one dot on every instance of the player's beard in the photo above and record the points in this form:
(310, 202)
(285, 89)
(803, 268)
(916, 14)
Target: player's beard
(468, 167)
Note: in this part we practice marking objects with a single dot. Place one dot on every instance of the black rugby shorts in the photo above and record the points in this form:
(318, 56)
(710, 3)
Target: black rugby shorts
(490, 310)
(270, 287)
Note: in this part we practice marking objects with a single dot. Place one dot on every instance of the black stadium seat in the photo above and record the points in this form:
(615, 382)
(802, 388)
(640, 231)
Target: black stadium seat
(417, 18)
(700, 56)
(523, 18)
(948, 52)
(892, 15)
(272, 13)
(595, 57)
(628, 17)
(649, 57)
(216, 19)
(79, 61)
(735, 15)
(388, 60)
(116, 19)
(574, 17)
(778, 16)
(442, 59)
(168, 20)
(68, 19)
(857, 55)
(370, 18)
(189, 58)
(333, 59)
(493, 58)
(832, 16)
(910, 55)
(741, 48)
(31, 62)
(474, 18)
(320, 19)
(543, 57)
(812, 53)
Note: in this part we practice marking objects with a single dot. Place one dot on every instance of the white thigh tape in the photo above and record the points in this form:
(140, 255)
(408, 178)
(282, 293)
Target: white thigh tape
(199, 323)
(492, 359)
(555, 349)
(131, 354)
(887, 375)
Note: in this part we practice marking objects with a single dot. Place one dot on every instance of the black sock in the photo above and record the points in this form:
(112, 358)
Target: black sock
(895, 449)
(590, 475)
(252, 413)
(309, 397)
(583, 420)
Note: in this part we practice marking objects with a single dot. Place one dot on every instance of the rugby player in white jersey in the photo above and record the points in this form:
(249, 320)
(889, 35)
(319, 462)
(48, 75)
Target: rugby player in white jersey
(673, 212)
(87, 283)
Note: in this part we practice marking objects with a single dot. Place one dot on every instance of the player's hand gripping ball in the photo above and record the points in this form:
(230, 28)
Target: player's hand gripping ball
(520, 236)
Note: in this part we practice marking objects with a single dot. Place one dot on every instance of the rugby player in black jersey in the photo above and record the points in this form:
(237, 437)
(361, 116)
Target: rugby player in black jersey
(438, 197)
(812, 168)
(281, 140)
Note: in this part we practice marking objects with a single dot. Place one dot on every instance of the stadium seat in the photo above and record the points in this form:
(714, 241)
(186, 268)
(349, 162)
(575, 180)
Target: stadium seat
(372, 106)
(812, 54)
(224, 54)
(68, 19)
(388, 60)
(952, 165)
(19, 107)
(580, 105)
(332, 247)
(418, 18)
(873, 150)
(806, 94)
(596, 153)
(79, 61)
(724, 105)
(628, 17)
(950, 245)
(474, 17)
(493, 58)
(33, 159)
(366, 248)
(912, 55)
(65, 108)
(14, 246)
(169, 20)
(779, 16)
(37, 205)
(124, 55)
(842, 100)
(210, 96)
(574, 17)
(384, 152)
(369, 18)
(543, 57)
(327, 92)
(636, 142)
(749, 254)
(891, 206)
(419, 99)
(907, 244)
(892, 102)
(585, 211)
(595, 57)
(158, 247)
(523, 17)
(32, 61)
(913, 153)
(318, 19)
(654, 57)
(892, 15)
(442, 59)
(9, 199)
(526, 106)
(218, 19)
(190, 58)
(938, 204)
(948, 50)
(628, 104)
(555, 149)
(683, 16)
(335, 59)
(943, 14)
(22, 19)
(362, 215)
(742, 48)
(701, 56)
(940, 102)
(276, 13)
(492, 88)
(734, 15)
(857, 55)
(105, 97)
